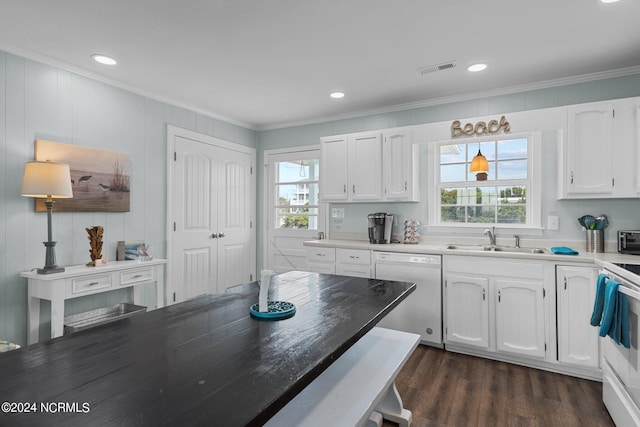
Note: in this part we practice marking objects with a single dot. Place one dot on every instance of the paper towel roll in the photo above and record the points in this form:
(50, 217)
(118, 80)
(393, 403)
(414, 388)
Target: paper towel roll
(265, 282)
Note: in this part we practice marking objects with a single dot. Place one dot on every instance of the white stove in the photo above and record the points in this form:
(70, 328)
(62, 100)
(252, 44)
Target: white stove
(620, 365)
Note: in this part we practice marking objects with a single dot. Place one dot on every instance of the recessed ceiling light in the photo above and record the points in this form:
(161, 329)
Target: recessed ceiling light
(609, 1)
(477, 67)
(337, 95)
(104, 59)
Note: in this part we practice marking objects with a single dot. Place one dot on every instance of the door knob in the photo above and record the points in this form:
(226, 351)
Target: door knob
(214, 236)
(221, 235)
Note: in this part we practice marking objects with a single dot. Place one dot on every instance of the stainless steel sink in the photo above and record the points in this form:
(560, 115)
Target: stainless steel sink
(519, 250)
(466, 247)
(488, 248)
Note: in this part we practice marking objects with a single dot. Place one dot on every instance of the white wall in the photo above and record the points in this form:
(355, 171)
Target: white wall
(38, 101)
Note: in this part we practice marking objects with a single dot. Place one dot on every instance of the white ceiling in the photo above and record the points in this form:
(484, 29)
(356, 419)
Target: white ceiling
(268, 64)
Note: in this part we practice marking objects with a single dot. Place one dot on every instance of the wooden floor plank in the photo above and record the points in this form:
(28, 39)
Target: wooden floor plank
(447, 389)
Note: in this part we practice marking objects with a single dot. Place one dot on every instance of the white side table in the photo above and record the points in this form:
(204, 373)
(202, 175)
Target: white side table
(79, 281)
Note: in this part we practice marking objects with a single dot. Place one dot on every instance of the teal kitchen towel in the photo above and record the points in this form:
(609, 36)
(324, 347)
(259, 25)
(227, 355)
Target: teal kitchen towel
(563, 250)
(615, 318)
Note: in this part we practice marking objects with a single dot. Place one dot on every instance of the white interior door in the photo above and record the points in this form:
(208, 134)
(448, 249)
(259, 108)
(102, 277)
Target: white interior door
(194, 249)
(211, 236)
(235, 224)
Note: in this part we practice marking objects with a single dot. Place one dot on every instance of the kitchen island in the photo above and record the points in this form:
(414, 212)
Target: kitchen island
(202, 362)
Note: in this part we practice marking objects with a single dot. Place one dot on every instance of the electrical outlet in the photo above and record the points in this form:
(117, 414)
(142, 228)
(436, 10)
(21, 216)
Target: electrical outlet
(552, 222)
(337, 212)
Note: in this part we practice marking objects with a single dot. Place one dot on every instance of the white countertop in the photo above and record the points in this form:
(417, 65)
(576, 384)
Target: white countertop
(604, 260)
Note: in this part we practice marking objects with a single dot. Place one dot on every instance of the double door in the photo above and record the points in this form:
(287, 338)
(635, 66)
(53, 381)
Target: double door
(517, 308)
(212, 237)
(500, 308)
(350, 168)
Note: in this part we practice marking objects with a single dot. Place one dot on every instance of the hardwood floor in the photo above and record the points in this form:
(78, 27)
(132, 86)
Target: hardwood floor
(448, 389)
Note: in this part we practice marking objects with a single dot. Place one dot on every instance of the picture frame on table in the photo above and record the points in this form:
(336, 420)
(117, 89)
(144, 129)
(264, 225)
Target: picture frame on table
(133, 251)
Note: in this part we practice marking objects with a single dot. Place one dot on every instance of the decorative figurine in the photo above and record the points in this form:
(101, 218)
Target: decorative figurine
(95, 240)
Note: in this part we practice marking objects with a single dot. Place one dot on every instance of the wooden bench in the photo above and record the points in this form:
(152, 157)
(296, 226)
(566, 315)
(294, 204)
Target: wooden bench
(358, 389)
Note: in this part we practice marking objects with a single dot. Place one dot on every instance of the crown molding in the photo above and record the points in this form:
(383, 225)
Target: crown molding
(621, 72)
(54, 62)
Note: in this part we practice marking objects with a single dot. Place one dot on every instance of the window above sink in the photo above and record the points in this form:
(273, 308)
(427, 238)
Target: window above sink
(508, 198)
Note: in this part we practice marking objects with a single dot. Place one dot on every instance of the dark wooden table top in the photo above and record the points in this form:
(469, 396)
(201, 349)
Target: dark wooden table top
(202, 362)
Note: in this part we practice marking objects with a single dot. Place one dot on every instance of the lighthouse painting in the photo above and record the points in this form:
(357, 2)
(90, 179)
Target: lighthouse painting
(100, 179)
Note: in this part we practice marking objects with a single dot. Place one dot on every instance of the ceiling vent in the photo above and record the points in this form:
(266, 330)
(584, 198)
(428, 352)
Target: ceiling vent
(440, 67)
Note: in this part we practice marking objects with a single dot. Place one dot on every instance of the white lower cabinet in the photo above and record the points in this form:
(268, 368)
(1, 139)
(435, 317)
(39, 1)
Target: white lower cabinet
(321, 260)
(467, 310)
(578, 342)
(500, 308)
(520, 317)
(354, 262)
(344, 262)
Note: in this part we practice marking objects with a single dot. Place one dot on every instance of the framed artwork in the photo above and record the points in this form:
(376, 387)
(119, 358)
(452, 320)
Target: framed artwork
(100, 179)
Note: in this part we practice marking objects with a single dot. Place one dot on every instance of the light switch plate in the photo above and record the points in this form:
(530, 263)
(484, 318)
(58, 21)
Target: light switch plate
(552, 222)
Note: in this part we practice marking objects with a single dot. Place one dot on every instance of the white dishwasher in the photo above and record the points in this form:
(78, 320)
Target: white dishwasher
(421, 312)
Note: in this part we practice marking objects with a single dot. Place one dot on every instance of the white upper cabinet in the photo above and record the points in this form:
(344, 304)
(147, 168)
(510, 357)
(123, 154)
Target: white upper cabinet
(637, 113)
(589, 149)
(399, 167)
(351, 168)
(600, 154)
(368, 167)
(364, 167)
(333, 169)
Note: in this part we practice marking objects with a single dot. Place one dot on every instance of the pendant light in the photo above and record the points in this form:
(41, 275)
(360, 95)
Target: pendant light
(479, 166)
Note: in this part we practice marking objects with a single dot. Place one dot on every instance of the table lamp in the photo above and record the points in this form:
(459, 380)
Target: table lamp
(48, 180)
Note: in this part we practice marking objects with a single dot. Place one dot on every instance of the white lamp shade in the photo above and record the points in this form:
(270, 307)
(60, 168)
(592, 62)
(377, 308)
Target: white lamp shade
(44, 179)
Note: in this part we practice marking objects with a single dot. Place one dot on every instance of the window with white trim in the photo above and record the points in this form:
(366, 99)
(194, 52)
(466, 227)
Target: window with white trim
(506, 197)
(296, 191)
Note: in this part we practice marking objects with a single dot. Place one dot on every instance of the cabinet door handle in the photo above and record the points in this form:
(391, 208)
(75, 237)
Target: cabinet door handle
(499, 297)
(354, 257)
(221, 235)
(137, 276)
(320, 254)
(354, 189)
(214, 236)
(572, 177)
(344, 190)
(484, 294)
(93, 283)
(405, 186)
(565, 283)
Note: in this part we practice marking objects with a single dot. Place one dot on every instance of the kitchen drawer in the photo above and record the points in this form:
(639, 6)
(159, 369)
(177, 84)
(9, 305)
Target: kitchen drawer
(90, 284)
(353, 256)
(321, 254)
(324, 268)
(354, 270)
(135, 276)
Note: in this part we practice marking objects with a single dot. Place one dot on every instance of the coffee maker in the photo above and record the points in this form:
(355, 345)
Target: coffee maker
(380, 225)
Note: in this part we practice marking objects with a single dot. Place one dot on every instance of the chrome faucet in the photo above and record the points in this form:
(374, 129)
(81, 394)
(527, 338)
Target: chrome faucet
(492, 235)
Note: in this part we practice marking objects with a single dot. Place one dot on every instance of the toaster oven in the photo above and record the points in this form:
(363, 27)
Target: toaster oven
(629, 242)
